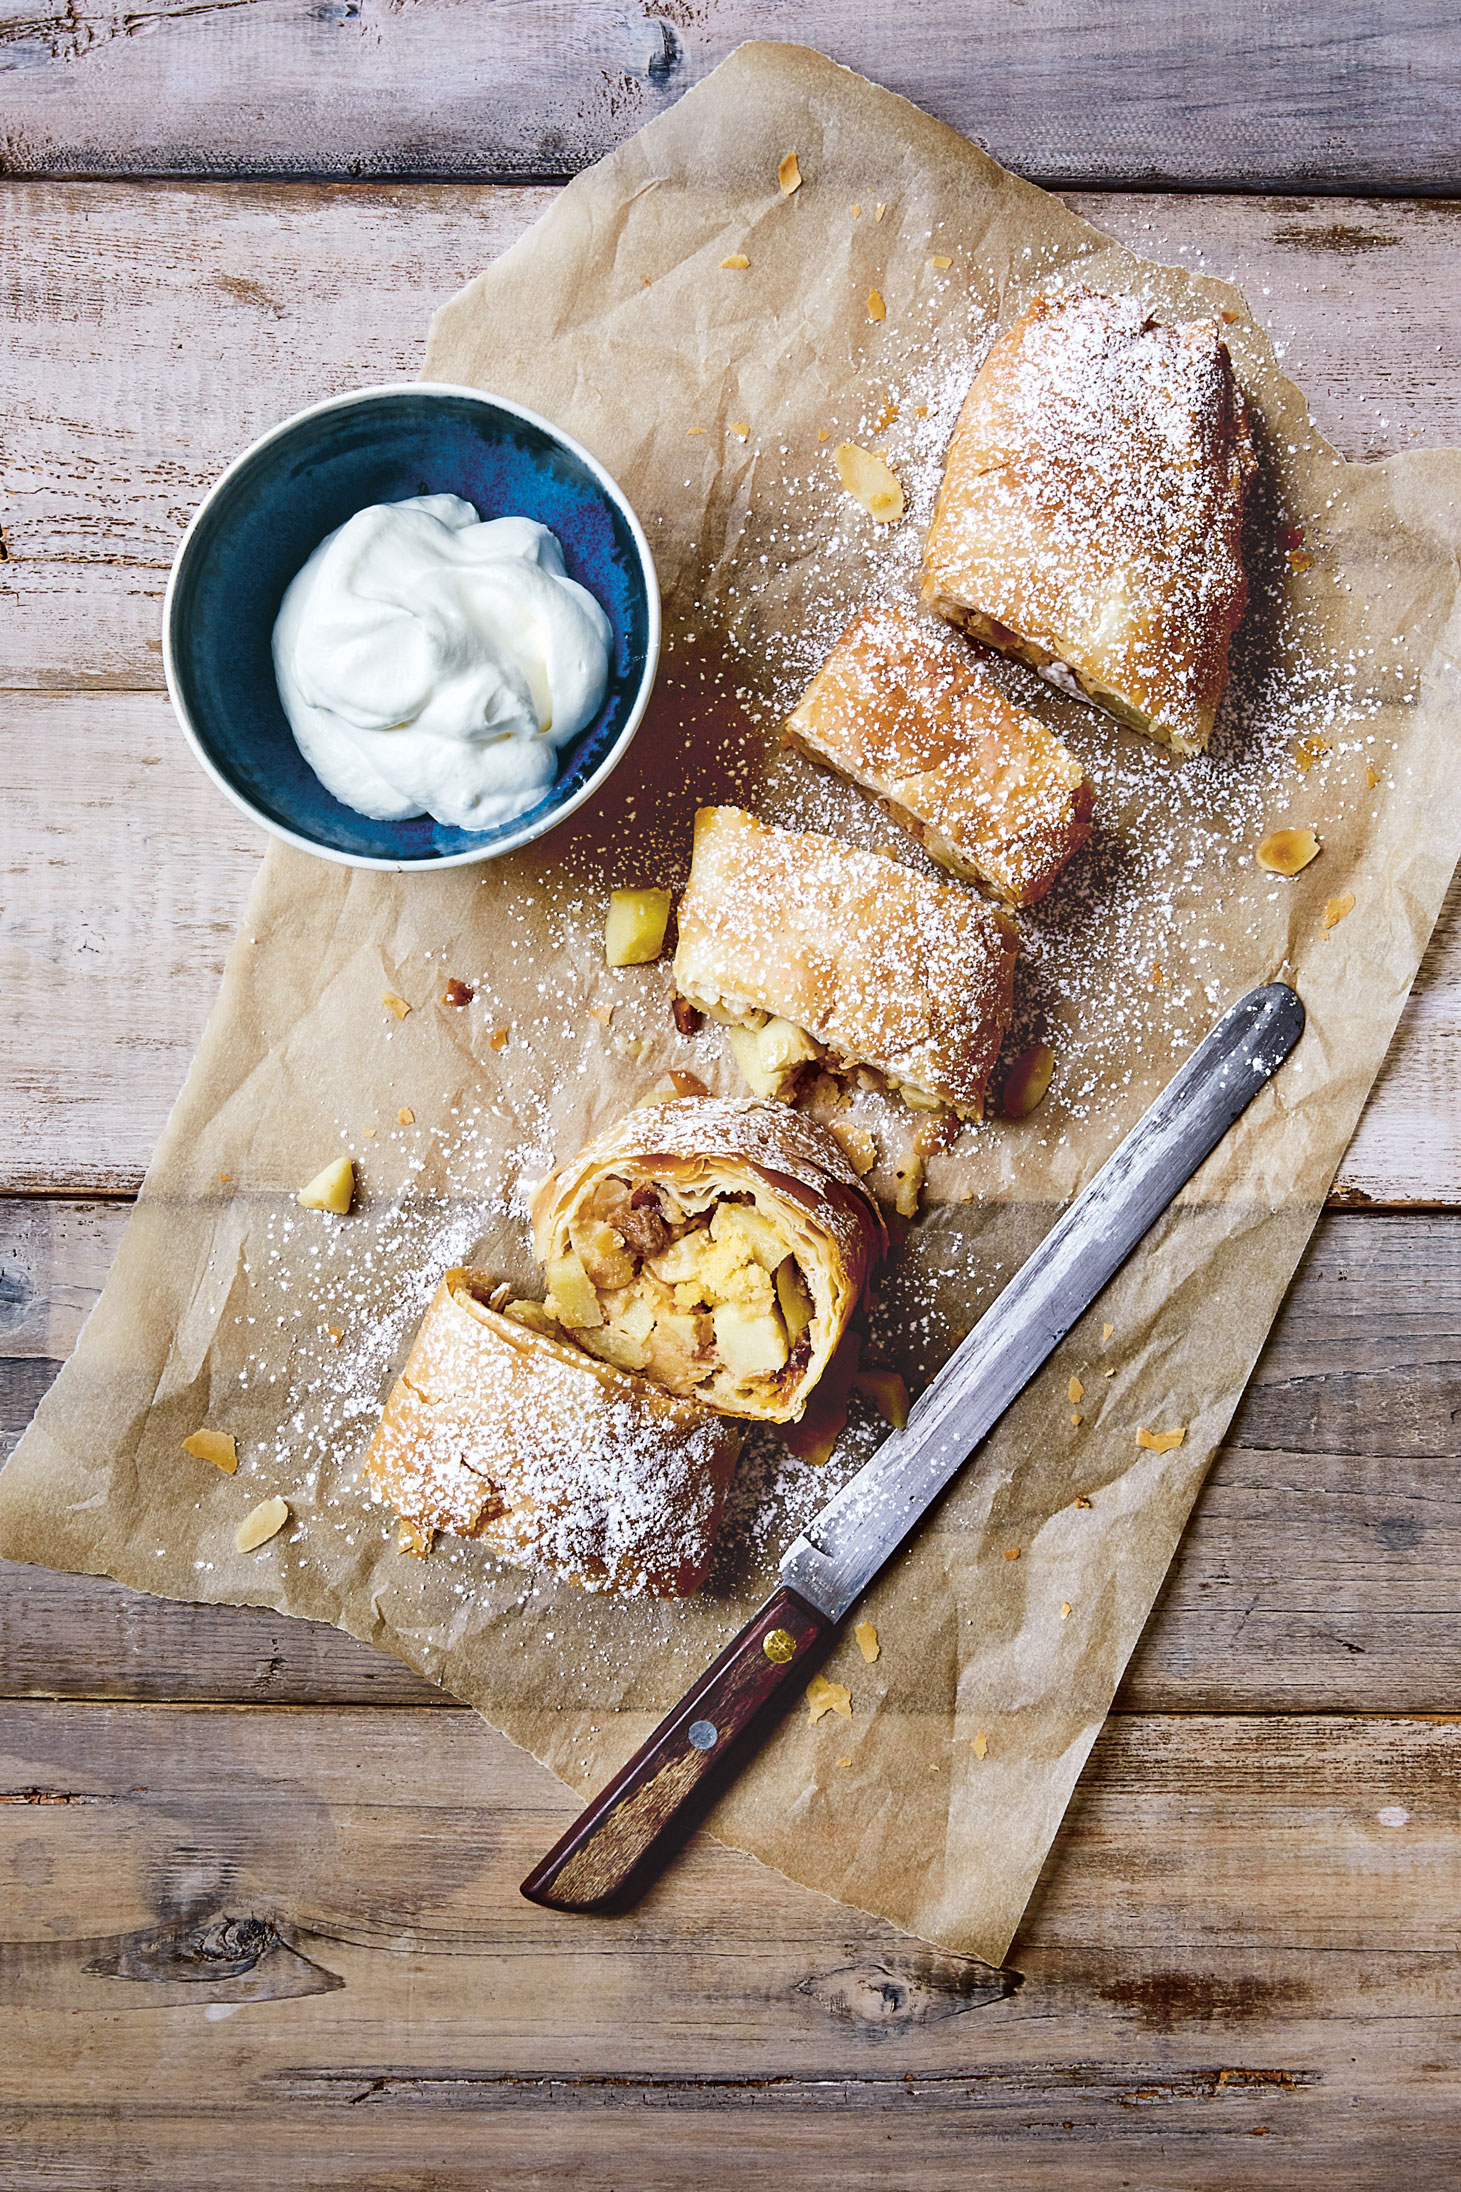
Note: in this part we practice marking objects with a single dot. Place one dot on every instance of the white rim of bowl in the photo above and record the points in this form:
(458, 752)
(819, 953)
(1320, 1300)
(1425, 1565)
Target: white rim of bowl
(518, 838)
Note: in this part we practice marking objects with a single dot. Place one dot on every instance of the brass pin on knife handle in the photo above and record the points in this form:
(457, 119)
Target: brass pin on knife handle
(625, 1836)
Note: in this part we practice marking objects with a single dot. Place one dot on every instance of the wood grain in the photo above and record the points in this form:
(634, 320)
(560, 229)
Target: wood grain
(1192, 1999)
(1321, 1571)
(153, 329)
(1127, 92)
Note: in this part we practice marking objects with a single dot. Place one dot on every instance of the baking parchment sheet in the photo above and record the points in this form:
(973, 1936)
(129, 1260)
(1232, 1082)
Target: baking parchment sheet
(717, 395)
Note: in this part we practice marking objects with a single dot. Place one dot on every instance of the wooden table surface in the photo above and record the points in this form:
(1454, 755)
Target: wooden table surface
(260, 1920)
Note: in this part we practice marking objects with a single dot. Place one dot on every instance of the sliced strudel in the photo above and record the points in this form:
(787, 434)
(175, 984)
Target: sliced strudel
(1090, 518)
(719, 1246)
(500, 1428)
(992, 794)
(808, 949)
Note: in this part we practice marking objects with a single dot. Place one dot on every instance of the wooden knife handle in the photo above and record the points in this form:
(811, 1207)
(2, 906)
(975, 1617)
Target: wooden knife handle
(622, 1841)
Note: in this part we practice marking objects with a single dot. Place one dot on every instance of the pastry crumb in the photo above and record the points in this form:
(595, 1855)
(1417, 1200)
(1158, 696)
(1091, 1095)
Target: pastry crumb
(604, 1014)
(1107, 1330)
(1335, 909)
(1027, 1080)
(941, 259)
(867, 1640)
(1065, 1609)
(789, 175)
(1075, 1391)
(394, 1004)
(1080, 1500)
(735, 259)
(498, 1039)
(405, 1116)
(1012, 1552)
(876, 309)
(980, 1744)
(1160, 1442)
(457, 993)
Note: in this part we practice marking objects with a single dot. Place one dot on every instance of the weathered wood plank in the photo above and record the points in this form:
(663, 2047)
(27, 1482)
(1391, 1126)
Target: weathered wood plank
(1321, 1571)
(1188, 1976)
(1228, 96)
(153, 331)
(118, 298)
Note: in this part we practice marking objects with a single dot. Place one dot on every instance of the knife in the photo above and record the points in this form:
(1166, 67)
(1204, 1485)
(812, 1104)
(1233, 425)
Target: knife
(620, 1843)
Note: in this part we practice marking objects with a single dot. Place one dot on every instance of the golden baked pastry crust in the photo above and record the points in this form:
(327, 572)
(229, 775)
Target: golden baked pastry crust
(879, 966)
(987, 789)
(1091, 513)
(730, 1190)
(550, 1458)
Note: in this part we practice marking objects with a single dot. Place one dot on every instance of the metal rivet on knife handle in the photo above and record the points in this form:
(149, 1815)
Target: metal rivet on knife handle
(778, 1645)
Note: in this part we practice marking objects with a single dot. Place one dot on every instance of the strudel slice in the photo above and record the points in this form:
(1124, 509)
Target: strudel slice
(500, 1428)
(1090, 519)
(719, 1246)
(808, 949)
(986, 789)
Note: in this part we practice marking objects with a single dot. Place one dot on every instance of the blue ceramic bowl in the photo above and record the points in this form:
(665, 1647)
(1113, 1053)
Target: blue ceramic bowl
(270, 511)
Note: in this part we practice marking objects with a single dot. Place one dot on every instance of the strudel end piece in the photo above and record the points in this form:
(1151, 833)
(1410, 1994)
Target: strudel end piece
(987, 789)
(809, 949)
(1090, 518)
(719, 1246)
(502, 1429)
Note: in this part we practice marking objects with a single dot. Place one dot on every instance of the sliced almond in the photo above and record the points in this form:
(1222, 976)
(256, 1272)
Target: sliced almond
(1287, 852)
(870, 482)
(266, 1521)
(789, 175)
(867, 1641)
(604, 1014)
(1335, 909)
(824, 1697)
(1027, 1080)
(688, 1018)
(219, 1447)
(397, 1005)
(1160, 1442)
(333, 1189)
(687, 1084)
(1107, 1330)
(741, 427)
(879, 211)
(735, 259)
(413, 1541)
(876, 309)
(856, 1144)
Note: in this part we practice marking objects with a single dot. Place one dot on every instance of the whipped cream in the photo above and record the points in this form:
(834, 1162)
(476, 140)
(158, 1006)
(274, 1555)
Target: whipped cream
(431, 662)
